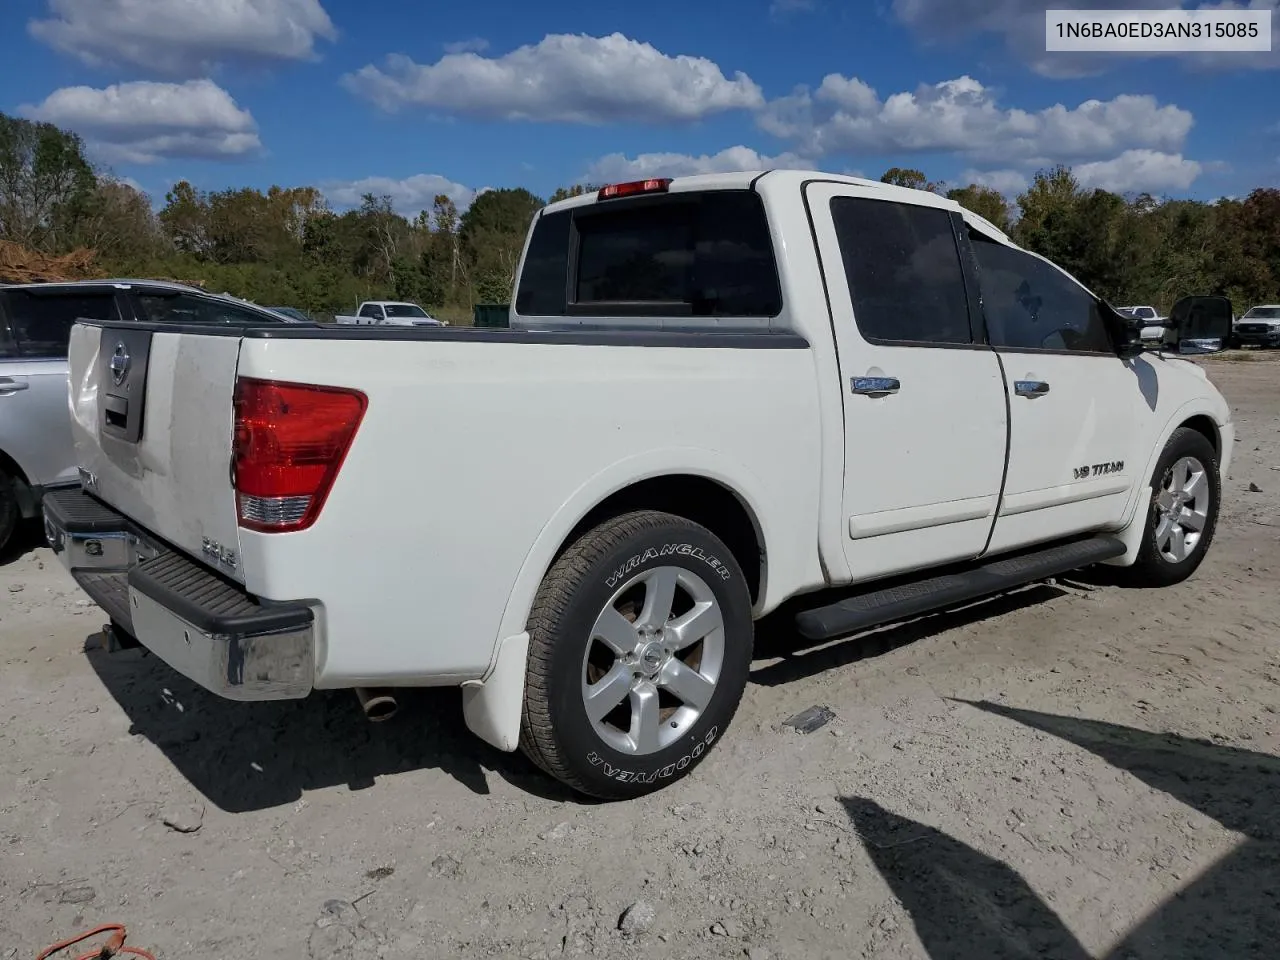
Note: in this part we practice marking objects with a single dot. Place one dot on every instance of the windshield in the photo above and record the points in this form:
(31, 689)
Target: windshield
(166, 307)
(405, 310)
(293, 313)
(1263, 313)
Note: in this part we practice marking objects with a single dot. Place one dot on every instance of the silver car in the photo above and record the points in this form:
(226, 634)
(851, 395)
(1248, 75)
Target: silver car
(35, 322)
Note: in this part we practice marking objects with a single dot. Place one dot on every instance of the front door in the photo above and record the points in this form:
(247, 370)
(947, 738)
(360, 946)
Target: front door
(924, 407)
(1072, 400)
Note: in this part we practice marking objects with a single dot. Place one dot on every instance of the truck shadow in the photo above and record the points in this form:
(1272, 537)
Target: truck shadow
(252, 756)
(27, 537)
(776, 636)
(966, 905)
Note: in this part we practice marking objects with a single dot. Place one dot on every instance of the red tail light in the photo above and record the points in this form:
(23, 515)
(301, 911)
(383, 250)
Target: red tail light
(290, 441)
(654, 185)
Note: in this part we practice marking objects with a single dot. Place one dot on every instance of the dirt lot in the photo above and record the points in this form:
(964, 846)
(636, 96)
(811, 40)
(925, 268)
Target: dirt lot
(1070, 771)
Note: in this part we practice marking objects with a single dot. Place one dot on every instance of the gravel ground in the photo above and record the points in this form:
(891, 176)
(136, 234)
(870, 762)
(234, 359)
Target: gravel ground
(1071, 770)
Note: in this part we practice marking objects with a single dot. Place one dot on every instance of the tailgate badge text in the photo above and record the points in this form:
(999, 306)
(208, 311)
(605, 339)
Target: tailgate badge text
(219, 554)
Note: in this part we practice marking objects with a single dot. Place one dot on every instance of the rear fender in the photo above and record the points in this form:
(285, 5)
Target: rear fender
(492, 706)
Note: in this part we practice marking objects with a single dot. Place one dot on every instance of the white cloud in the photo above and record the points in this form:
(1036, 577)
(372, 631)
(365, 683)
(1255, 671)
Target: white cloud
(1140, 170)
(184, 38)
(1021, 24)
(618, 167)
(474, 45)
(408, 196)
(143, 122)
(564, 77)
(1008, 182)
(1133, 171)
(845, 115)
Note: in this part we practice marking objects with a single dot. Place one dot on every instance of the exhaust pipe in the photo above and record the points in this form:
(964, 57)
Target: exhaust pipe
(377, 703)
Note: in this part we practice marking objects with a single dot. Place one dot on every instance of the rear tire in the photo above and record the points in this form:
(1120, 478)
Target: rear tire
(1182, 513)
(640, 646)
(9, 512)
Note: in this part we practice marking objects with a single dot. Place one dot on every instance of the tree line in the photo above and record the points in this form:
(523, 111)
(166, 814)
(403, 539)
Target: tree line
(286, 247)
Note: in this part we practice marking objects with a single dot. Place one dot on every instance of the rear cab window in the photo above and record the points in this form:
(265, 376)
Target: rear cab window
(705, 254)
(39, 322)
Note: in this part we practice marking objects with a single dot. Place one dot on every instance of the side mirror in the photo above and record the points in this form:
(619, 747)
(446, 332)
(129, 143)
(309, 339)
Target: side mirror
(1200, 324)
(1126, 331)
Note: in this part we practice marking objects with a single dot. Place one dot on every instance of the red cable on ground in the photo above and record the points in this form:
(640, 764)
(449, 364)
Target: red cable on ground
(113, 946)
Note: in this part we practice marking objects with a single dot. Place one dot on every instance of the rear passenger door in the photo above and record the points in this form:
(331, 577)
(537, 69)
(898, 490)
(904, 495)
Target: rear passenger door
(1074, 404)
(35, 419)
(924, 401)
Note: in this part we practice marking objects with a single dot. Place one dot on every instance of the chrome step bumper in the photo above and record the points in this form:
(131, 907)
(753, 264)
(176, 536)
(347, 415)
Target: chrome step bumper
(204, 626)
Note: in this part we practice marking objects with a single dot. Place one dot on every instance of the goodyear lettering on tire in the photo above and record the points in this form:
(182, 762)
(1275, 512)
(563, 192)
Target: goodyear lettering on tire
(661, 773)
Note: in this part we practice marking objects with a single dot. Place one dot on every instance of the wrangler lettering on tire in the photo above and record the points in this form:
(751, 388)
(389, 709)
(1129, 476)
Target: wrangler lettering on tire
(640, 644)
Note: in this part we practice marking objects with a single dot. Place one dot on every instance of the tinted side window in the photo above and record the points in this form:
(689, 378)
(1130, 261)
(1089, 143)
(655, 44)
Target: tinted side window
(903, 269)
(8, 349)
(709, 255)
(41, 323)
(1031, 305)
(545, 272)
(369, 310)
(186, 308)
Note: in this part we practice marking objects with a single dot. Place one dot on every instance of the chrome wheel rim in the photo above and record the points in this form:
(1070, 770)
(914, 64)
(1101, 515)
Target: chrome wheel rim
(1181, 505)
(653, 660)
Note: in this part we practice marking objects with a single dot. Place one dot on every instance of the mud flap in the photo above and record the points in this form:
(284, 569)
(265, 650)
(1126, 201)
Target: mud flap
(492, 706)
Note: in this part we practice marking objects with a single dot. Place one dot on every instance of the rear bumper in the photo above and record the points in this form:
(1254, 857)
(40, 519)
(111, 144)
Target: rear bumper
(204, 626)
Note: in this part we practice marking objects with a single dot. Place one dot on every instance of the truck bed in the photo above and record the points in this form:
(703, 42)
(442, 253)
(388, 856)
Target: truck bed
(465, 471)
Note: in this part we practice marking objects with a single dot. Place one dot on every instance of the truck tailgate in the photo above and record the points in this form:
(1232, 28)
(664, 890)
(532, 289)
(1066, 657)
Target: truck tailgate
(152, 420)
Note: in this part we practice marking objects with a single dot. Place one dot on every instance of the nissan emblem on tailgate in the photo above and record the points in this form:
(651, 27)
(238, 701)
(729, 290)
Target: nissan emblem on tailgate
(119, 364)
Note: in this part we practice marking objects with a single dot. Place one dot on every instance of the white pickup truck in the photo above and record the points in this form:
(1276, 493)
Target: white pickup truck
(718, 393)
(393, 313)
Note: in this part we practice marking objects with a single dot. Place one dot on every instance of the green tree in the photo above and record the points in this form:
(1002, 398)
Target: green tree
(119, 224)
(1046, 209)
(985, 202)
(911, 178)
(492, 234)
(577, 190)
(46, 184)
(185, 219)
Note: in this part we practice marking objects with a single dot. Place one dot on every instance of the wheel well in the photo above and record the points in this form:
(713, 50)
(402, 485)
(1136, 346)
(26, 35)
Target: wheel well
(22, 486)
(698, 499)
(1208, 429)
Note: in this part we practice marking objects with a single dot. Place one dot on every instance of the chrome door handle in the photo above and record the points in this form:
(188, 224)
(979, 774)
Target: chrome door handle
(8, 386)
(874, 386)
(1030, 388)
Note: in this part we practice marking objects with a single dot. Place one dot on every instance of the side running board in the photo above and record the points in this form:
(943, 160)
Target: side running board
(877, 607)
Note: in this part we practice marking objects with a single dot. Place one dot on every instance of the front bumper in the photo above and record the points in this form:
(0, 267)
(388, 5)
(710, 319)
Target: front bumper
(1257, 338)
(204, 626)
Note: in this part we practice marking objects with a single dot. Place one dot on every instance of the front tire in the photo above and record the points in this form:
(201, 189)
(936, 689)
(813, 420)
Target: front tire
(1183, 512)
(640, 646)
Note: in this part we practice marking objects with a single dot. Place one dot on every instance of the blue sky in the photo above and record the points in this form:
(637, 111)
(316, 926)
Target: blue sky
(413, 99)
